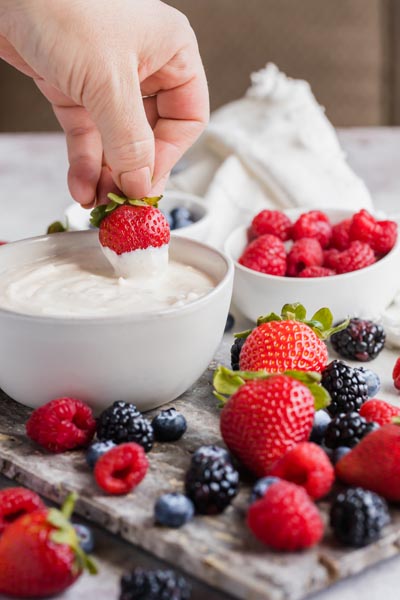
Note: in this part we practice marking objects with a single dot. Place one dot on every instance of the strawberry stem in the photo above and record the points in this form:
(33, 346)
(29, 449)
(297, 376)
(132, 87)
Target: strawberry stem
(100, 212)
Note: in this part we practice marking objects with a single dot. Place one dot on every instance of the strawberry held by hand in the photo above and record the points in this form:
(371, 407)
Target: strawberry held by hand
(134, 235)
(266, 415)
(288, 341)
(374, 463)
(40, 554)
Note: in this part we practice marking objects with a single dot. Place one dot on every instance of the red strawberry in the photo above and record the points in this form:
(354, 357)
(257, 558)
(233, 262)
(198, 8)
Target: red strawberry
(374, 463)
(286, 518)
(62, 424)
(288, 341)
(396, 374)
(265, 418)
(274, 222)
(379, 411)
(265, 254)
(307, 465)
(16, 502)
(306, 252)
(40, 554)
(126, 225)
(313, 224)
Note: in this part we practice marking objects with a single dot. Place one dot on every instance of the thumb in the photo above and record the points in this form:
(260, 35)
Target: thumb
(128, 142)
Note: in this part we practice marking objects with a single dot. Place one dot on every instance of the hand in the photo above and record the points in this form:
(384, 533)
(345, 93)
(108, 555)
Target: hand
(126, 83)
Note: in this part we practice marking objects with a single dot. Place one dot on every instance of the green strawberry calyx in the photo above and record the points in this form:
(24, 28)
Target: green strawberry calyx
(227, 382)
(321, 322)
(65, 534)
(100, 212)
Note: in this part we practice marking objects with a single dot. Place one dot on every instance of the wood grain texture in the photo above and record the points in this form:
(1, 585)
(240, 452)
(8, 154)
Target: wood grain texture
(219, 551)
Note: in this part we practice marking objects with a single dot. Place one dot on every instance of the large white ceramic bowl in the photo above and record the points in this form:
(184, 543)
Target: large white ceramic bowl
(148, 359)
(364, 293)
(78, 217)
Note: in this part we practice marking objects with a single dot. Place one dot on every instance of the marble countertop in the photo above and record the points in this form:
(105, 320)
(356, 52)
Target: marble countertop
(33, 193)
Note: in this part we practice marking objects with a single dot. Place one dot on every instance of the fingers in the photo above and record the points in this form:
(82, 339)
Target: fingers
(117, 109)
(84, 152)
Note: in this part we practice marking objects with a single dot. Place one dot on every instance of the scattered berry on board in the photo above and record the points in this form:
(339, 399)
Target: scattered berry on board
(260, 488)
(173, 510)
(338, 453)
(96, 450)
(396, 374)
(16, 502)
(347, 429)
(62, 424)
(347, 387)
(169, 425)
(309, 466)
(211, 481)
(361, 340)
(379, 411)
(235, 352)
(286, 518)
(121, 469)
(373, 382)
(122, 422)
(154, 585)
(85, 536)
(321, 422)
(358, 516)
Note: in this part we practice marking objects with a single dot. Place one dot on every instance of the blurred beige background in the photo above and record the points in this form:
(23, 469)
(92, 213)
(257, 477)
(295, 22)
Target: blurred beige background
(347, 49)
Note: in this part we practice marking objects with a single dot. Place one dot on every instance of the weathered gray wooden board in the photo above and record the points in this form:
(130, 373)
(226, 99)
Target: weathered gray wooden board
(218, 550)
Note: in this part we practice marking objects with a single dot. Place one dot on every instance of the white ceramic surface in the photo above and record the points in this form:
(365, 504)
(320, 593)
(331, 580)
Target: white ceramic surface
(365, 293)
(78, 217)
(148, 359)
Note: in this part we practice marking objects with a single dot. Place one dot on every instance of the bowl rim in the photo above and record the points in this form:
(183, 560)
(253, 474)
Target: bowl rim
(108, 320)
(307, 280)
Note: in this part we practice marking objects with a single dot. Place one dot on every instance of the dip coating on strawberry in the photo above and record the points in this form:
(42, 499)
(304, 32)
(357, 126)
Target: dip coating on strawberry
(134, 235)
(288, 341)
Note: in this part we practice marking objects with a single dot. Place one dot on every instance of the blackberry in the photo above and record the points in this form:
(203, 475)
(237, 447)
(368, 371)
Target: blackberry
(173, 510)
(211, 481)
(347, 429)
(361, 340)
(357, 517)
(235, 352)
(260, 488)
(346, 385)
(159, 584)
(122, 422)
(169, 425)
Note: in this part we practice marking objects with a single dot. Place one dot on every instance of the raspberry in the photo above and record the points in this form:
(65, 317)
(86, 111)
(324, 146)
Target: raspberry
(121, 469)
(285, 518)
(385, 237)
(313, 224)
(341, 235)
(358, 516)
(62, 424)
(361, 340)
(274, 222)
(330, 258)
(379, 411)
(396, 374)
(307, 465)
(316, 272)
(362, 227)
(380, 235)
(357, 256)
(306, 252)
(265, 254)
(16, 502)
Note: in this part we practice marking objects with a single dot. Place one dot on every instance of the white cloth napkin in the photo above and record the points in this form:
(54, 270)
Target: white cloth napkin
(274, 148)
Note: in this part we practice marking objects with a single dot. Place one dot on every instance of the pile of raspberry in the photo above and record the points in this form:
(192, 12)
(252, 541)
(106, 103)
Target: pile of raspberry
(314, 247)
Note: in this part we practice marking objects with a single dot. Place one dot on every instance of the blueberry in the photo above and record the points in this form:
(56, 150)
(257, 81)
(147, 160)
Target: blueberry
(169, 425)
(179, 223)
(85, 536)
(181, 212)
(260, 488)
(373, 382)
(173, 510)
(230, 321)
(338, 453)
(96, 450)
(321, 422)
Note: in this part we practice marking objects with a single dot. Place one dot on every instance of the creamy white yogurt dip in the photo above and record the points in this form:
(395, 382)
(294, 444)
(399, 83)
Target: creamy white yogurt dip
(83, 284)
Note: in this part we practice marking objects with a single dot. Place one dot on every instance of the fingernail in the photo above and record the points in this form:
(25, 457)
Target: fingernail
(136, 184)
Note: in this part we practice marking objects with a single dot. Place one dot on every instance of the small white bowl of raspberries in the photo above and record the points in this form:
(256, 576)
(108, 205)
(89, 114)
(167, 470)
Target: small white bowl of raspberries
(347, 260)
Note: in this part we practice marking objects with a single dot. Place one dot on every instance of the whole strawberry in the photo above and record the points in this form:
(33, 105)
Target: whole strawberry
(264, 418)
(288, 341)
(127, 224)
(374, 464)
(40, 554)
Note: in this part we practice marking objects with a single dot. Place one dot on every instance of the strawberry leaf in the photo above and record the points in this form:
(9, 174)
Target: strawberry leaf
(293, 312)
(100, 212)
(268, 318)
(243, 334)
(324, 317)
(322, 398)
(97, 215)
